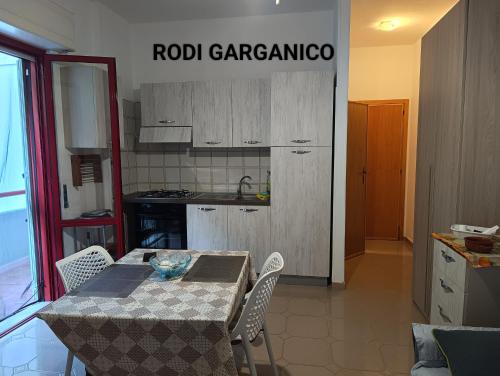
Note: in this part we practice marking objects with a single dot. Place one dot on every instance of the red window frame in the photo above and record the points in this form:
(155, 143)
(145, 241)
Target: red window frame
(57, 223)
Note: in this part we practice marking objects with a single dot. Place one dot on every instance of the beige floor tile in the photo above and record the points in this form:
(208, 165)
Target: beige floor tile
(309, 307)
(260, 351)
(350, 372)
(298, 370)
(392, 333)
(351, 330)
(397, 358)
(278, 304)
(276, 323)
(357, 356)
(307, 326)
(307, 351)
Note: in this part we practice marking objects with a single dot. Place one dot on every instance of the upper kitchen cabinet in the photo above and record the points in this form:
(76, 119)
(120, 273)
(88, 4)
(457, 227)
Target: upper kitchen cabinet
(302, 108)
(85, 107)
(251, 112)
(212, 122)
(167, 104)
(300, 209)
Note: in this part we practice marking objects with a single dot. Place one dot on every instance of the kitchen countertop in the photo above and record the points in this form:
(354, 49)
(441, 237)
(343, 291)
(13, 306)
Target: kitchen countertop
(477, 260)
(200, 198)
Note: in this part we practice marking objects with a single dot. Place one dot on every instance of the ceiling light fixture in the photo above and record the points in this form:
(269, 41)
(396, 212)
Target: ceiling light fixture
(277, 2)
(388, 25)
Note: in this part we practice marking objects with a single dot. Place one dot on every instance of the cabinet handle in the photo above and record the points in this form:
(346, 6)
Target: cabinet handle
(207, 209)
(166, 121)
(446, 257)
(252, 142)
(301, 141)
(445, 286)
(300, 152)
(442, 314)
(249, 210)
(213, 142)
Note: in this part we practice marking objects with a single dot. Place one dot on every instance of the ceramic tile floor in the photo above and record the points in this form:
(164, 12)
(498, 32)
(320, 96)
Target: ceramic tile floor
(363, 330)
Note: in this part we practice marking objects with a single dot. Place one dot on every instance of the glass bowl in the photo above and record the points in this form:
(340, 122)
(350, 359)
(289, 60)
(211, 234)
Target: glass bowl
(170, 265)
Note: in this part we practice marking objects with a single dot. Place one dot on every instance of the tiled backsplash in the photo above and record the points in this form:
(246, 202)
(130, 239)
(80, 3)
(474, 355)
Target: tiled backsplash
(179, 166)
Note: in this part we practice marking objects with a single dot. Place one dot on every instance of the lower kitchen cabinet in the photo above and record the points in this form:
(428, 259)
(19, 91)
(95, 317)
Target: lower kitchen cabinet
(207, 227)
(249, 230)
(462, 294)
(301, 209)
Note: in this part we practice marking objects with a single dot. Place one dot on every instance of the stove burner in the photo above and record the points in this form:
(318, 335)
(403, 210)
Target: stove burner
(184, 193)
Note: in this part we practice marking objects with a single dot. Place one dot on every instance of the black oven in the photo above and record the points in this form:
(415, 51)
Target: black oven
(156, 225)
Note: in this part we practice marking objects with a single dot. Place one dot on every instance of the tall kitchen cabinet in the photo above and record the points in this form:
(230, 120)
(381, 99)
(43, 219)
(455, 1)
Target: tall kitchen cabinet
(459, 119)
(301, 165)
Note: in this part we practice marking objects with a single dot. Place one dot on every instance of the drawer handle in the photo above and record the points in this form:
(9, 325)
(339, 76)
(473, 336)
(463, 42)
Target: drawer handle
(249, 210)
(207, 209)
(252, 142)
(300, 152)
(447, 258)
(166, 121)
(213, 142)
(445, 287)
(301, 141)
(442, 314)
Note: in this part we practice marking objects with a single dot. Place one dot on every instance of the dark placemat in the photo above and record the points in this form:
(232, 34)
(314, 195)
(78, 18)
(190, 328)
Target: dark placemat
(213, 268)
(117, 281)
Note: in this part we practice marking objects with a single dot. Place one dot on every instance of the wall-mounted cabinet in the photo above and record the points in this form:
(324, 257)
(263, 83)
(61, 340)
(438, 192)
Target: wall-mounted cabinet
(167, 104)
(302, 108)
(212, 121)
(251, 112)
(85, 107)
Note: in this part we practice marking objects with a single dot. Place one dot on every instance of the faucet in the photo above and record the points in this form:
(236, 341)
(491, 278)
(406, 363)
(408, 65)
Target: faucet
(239, 194)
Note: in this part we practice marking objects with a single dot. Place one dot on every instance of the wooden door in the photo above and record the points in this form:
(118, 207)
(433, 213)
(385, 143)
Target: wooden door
(172, 104)
(249, 230)
(251, 108)
(207, 227)
(302, 108)
(386, 146)
(356, 179)
(301, 208)
(212, 122)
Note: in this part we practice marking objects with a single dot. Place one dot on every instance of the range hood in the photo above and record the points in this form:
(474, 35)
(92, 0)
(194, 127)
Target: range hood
(165, 134)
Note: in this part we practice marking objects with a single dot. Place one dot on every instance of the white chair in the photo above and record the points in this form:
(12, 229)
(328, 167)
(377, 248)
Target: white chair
(78, 268)
(252, 319)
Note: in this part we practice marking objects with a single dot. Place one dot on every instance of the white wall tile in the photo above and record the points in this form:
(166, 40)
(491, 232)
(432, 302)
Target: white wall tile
(188, 175)
(254, 173)
(172, 174)
(187, 158)
(235, 158)
(203, 175)
(156, 160)
(219, 158)
(156, 175)
(251, 158)
(219, 188)
(172, 158)
(234, 175)
(143, 175)
(203, 187)
(203, 159)
(219, 175)
(142, 159)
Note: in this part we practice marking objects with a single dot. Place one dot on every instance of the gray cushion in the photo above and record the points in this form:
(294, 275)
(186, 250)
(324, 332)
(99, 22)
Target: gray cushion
(424, 371)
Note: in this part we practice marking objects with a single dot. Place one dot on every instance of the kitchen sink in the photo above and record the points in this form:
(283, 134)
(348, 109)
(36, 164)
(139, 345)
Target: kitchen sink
(224, 196)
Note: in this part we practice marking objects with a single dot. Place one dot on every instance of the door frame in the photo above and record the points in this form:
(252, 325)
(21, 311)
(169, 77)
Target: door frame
(402, 193)
(54, 202)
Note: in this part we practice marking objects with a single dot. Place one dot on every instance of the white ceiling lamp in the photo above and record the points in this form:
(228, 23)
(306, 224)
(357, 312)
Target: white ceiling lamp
(277, 2)
(389, 25)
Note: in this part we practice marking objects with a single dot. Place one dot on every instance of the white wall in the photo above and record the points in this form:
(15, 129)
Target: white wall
(391, 72)
(292, 28)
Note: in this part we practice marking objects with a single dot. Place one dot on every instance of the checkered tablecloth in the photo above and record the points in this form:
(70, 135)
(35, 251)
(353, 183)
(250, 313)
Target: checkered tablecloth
(162, 328)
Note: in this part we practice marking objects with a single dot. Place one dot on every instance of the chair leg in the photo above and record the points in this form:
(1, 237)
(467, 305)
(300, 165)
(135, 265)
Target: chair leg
(248, 353)
(69, 364)
(269, 349)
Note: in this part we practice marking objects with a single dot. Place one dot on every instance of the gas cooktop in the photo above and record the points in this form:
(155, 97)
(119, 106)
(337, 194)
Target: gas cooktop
(183, 193)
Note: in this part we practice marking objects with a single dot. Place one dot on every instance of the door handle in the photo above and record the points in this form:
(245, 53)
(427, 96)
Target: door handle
(446, 257)
(300, 141)
(207, 209)
(166, 121)
(213, 142)
(249, 210)
(252, 142)
(300, 152)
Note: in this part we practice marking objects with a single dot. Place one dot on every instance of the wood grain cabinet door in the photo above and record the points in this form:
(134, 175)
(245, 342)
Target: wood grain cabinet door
(173, 104)
(212, 123)
(148, 118)
(249, 230)
(251, 109)
(207, 227)
(300, 209)
(302, 108)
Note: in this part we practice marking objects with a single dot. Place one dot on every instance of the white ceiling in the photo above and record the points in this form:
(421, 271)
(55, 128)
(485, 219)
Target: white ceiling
(137, 11)
(417, 17)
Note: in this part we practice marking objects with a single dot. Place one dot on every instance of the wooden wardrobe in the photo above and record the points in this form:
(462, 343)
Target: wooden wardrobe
(458, 156)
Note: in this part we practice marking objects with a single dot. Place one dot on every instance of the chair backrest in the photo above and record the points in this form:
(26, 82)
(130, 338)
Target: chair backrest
(254, 311)
(79, 267)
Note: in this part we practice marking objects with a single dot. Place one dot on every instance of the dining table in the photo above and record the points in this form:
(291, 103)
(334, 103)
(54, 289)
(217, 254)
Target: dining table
(149, 326)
